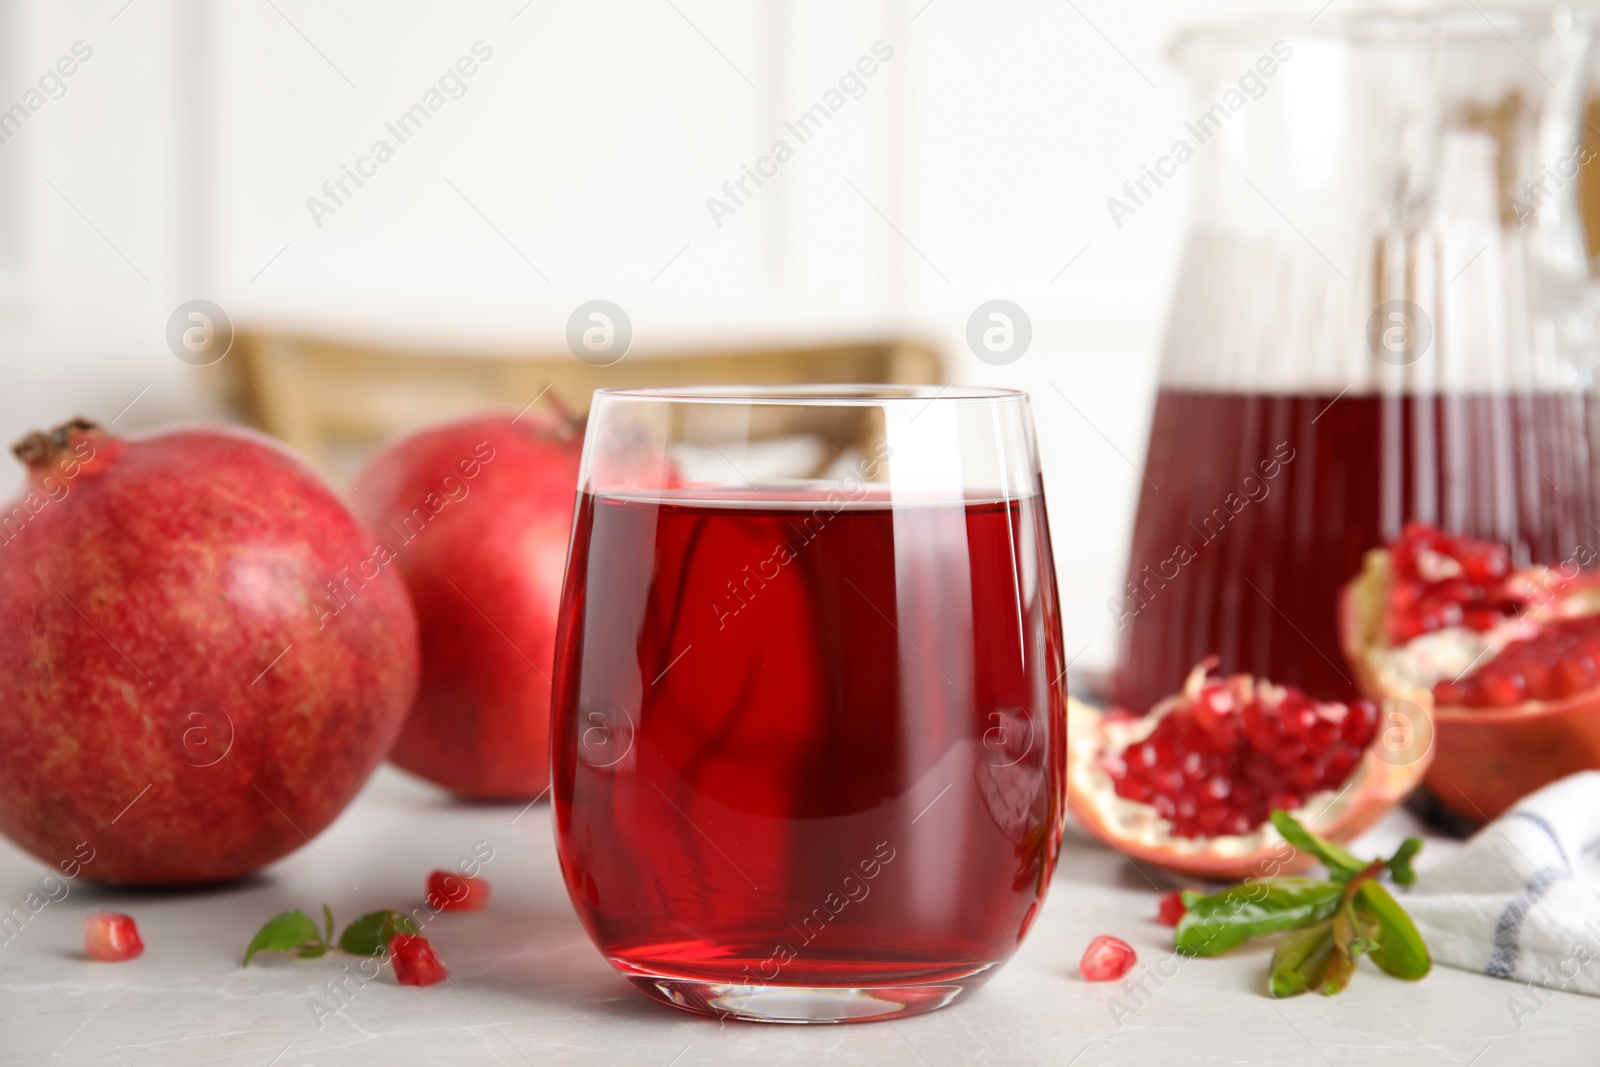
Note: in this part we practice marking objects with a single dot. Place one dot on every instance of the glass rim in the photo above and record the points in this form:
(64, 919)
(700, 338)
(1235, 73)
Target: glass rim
(820, 395)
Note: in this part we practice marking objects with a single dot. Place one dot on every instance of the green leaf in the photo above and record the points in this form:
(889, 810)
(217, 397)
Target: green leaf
(311, 952)
(284, 932)
(327, 921)
(370, 934)
(1401, 950)
(1330, 924)
(1341, 864)
(1400, 863)
(1217, 922)
(1302, 959)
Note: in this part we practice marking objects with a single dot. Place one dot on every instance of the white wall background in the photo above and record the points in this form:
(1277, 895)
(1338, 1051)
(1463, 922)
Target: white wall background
(976, 165)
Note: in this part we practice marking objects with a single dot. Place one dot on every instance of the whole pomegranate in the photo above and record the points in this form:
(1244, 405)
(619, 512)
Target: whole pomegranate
(478, 512)
(199, 663)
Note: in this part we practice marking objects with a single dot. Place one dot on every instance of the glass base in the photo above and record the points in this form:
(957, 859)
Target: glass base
(803, 1004)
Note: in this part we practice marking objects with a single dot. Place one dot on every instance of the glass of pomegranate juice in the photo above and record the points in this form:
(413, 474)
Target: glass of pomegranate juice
(809, 715)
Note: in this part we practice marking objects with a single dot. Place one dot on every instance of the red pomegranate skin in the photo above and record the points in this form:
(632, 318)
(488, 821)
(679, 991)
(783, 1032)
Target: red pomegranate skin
(479, 512)
(183, 697)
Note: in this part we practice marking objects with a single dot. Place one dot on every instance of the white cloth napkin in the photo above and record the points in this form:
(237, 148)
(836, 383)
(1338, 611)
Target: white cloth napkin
(1522, 899)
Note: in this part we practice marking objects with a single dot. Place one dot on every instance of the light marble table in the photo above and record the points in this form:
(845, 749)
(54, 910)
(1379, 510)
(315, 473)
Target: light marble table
(528, 988)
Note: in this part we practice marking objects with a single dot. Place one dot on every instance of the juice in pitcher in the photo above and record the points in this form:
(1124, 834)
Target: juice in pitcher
(1267, 503)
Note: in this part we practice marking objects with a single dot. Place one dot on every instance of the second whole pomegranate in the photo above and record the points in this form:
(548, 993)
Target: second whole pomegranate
(478, 512)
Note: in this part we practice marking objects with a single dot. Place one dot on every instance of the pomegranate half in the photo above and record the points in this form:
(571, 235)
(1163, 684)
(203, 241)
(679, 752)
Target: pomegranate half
(200, 660)
(1191, 785)
(1512, 658)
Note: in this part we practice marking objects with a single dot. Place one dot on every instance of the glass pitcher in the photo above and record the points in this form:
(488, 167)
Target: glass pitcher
(1383, 314)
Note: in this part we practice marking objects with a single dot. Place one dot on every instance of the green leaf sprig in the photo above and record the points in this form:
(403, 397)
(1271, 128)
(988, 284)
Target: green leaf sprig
(295, 931)
(1330, 923)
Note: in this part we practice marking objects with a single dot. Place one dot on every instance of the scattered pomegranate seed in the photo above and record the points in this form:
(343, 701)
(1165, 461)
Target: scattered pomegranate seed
(1172, 909)
(1235, 749)
(414, 961)
(111, 937)
(1107, 959)
(449, 891)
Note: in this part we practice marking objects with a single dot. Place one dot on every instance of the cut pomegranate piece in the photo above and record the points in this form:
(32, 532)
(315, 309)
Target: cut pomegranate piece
(1516, 695)
(111, 937)
(1191, 785)
(1172, 909)
(449, 891)
(414, 961)
(1106, 959)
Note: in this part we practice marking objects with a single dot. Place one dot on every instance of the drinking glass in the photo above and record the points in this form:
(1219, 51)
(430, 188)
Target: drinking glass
(809, 715)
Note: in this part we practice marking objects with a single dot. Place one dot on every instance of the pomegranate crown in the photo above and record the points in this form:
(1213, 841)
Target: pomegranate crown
(39, 450)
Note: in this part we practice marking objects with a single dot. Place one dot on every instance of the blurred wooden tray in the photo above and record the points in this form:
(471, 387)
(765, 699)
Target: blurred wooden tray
(333, 400)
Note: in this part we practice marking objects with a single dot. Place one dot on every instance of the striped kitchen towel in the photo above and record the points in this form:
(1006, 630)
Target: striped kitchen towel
(1522, 899)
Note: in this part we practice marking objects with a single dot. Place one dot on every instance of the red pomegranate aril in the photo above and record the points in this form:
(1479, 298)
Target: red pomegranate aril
(1482, 561)
(1107, 959)
(1172, 909)
(1574, 674)
(1324, 734)
(1482, 619)
(414, 961)
(111, 937)
(1306, 775)
(1222, 737)
(1286, 801)
(1136, 789)
(1287, 754)
(449, 891)
(1536, 678)
(1340, 764)
(1503, 688)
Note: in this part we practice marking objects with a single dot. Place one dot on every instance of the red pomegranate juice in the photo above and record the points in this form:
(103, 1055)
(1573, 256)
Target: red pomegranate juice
(1258, 508)
(808, 744)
